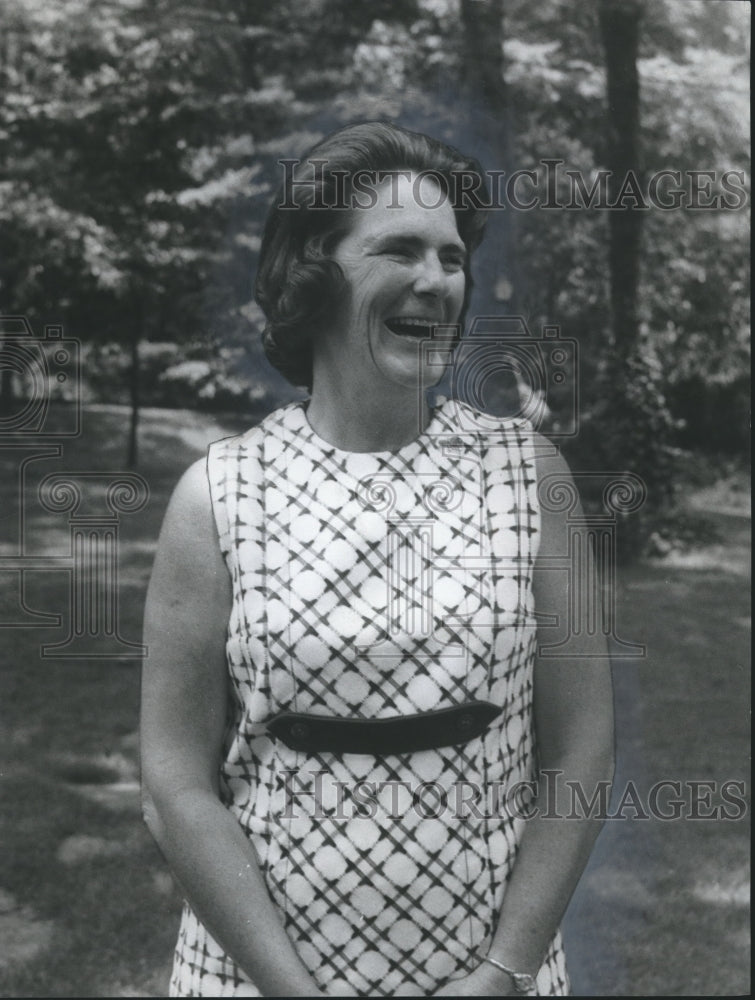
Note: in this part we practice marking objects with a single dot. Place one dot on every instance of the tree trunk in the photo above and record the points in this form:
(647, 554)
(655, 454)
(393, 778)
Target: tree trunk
(134, 385)
(620, 29)
(6, 389)
(637, 426)
(483, 50)
(490, 115)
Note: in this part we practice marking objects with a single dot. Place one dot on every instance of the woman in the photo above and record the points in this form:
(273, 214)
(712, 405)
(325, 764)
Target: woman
(342, 642)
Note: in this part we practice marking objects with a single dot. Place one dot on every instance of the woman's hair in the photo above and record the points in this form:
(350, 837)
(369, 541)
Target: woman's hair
(298, 283)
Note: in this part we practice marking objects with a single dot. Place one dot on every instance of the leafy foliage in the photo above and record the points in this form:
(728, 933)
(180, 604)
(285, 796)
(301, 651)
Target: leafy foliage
(141, 142)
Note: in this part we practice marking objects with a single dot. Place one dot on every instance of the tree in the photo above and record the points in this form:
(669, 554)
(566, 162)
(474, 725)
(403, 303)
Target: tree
(141, 139)
(139, 121)
(620, 22)
(486, 96)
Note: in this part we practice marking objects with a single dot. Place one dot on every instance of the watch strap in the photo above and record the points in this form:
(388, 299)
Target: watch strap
(523, 981)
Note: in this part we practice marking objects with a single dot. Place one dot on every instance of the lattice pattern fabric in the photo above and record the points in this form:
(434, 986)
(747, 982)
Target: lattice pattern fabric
(375, 585)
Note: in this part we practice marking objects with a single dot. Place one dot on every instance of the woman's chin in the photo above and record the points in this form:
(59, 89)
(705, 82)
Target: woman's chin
(406, 362)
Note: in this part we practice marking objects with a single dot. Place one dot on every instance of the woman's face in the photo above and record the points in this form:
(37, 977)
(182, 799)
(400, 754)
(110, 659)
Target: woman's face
(403, 260)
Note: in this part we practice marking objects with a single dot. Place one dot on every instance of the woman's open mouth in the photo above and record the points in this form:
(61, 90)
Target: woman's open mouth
(416, 327)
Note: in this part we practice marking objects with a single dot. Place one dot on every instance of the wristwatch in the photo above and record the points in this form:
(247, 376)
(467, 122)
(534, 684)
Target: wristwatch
(523, 981)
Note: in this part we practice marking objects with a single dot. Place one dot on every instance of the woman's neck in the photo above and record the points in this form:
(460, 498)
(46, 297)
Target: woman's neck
(360, 422)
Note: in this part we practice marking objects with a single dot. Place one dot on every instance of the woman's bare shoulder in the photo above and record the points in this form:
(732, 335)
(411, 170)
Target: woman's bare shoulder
(549, 461)
(192, 489)
(188, 536)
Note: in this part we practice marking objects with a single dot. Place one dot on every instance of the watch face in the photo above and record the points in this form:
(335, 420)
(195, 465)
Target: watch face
(523, 982)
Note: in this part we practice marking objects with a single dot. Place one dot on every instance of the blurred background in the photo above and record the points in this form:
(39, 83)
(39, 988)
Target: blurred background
(140, 143)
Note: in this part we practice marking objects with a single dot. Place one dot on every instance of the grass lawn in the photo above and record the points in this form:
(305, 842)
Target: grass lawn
(87, 907)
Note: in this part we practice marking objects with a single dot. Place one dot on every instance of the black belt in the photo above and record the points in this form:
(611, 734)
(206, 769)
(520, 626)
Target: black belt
(400, 734)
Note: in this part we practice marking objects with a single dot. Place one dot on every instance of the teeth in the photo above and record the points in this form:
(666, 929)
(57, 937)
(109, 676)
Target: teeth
(411, 325)
(413, 321)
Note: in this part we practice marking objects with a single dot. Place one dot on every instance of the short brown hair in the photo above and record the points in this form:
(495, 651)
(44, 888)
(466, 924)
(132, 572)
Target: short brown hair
(297, 280)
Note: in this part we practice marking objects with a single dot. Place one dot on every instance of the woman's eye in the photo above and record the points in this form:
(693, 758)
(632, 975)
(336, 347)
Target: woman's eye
(398, 251)
(453, 263)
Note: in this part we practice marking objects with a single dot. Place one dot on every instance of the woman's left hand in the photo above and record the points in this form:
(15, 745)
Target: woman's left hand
(485, 981)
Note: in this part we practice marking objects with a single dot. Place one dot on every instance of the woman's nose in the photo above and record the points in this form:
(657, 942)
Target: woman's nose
(431, 277)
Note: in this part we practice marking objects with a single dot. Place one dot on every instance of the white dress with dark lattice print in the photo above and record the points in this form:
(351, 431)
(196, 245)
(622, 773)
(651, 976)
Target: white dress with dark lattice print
(377, 585)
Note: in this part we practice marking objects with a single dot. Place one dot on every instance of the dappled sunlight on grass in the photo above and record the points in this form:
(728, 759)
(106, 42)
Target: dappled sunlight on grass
(79, 866)
(730, 889)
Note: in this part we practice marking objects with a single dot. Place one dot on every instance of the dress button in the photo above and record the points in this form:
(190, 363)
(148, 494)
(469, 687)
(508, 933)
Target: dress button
(300, 731)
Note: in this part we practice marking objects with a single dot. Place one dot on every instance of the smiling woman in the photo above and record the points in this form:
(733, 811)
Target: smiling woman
(339, 722)
(369, 166)
(403, 270)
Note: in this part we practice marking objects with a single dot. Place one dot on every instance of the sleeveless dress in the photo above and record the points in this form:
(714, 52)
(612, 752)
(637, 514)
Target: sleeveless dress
(377, 585)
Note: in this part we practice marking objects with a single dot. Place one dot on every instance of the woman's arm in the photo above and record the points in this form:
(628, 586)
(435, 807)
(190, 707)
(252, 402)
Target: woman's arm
(184, 685)
(573, 714)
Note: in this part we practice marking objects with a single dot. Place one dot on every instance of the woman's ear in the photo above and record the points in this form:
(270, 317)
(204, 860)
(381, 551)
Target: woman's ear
(322, 245)
(316, 247)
